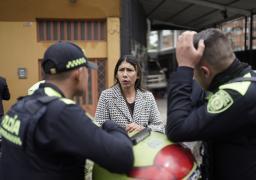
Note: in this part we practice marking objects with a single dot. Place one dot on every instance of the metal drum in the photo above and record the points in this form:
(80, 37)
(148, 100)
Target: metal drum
(156, 158)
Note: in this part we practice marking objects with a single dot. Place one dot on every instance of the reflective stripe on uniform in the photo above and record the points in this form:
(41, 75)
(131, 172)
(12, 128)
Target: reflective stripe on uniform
(51, 92)
(240, 87)
(221, 100)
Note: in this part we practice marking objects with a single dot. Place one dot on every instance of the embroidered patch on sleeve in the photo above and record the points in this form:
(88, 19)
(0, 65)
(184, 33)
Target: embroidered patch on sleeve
(219, 102)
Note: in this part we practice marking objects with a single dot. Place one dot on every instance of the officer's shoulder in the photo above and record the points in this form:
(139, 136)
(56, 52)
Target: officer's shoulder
(241, 87)
(63, 101)
(223, 99)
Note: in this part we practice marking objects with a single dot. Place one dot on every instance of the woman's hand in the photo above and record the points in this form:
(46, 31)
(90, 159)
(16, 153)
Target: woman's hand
(133, 127)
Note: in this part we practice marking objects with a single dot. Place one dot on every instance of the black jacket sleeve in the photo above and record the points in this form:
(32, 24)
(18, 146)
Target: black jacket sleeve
(75, 134)
(5, 92)
(186, 122)
(198, 95)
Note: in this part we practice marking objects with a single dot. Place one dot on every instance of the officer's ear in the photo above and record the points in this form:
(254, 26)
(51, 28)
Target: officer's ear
(206, 71)
(76, 75)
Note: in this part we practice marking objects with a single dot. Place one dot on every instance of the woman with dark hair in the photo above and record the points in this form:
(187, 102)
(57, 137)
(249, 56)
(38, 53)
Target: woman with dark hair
(126, 102)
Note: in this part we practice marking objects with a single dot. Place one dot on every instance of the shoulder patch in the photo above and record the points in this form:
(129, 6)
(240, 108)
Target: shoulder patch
(219, 102)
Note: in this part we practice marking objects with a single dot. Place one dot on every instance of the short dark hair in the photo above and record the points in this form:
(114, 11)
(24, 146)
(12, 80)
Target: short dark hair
(218, 49)
(135, 63)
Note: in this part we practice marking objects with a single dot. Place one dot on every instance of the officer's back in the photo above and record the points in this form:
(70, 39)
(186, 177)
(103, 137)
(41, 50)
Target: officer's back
(47, 136)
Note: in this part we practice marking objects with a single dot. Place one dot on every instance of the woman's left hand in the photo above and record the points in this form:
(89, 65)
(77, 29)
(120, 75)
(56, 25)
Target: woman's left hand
(133, 127)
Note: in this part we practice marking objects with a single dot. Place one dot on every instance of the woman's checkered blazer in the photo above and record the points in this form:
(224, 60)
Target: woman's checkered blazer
(112, 106)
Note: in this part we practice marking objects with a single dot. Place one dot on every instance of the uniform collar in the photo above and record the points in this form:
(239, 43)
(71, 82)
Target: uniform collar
(236, 69)
(51, 89)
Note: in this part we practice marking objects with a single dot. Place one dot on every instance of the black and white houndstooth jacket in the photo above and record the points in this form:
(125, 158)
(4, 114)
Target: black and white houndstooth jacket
(112, 106)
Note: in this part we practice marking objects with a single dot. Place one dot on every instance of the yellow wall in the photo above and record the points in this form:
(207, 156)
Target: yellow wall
(18, 49)
(19, 46)
(28, 10)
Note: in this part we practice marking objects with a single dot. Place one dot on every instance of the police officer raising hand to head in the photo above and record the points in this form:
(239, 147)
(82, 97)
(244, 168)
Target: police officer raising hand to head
(225, 120)
(47, 136)
(186, 53)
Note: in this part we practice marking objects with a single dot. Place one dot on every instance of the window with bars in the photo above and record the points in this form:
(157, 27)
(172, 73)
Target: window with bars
(88, 30)
(101, 76)
(101, 83)
(236, 30)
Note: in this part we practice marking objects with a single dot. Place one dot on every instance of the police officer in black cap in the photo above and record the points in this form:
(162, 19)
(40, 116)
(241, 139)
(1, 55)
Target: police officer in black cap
(47, 136)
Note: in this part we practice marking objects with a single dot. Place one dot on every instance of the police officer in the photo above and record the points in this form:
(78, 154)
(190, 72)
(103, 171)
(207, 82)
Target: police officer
(47, 136)
(4, 94)
(226, 120)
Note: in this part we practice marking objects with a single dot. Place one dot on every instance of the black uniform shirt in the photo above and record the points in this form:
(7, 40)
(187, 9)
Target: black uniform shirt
(226, 119)
(4, 94)
(64, 137)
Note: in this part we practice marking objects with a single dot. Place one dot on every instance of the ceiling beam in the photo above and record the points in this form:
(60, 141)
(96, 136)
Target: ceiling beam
(219, 7)
(171, 26)
(155, 8)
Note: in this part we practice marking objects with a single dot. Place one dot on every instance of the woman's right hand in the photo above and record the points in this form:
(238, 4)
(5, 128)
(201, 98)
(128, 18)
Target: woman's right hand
(133, 127)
